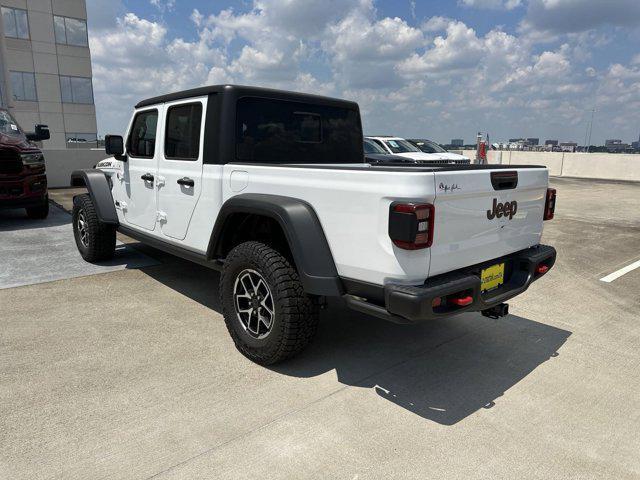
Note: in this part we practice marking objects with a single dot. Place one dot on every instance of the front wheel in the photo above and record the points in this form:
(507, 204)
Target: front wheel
(39, 212)
(95, 240)
(269, 316)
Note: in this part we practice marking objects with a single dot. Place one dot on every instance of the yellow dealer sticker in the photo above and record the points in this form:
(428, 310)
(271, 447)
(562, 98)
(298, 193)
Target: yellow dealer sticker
(492, 277)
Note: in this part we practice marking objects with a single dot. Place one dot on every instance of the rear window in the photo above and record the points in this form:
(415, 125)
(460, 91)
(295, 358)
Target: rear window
(278, 131)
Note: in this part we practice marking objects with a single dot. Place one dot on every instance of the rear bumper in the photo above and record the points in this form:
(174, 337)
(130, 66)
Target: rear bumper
(412, 304)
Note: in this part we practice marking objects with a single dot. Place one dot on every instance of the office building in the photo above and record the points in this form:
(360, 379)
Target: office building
(457, 142)
(46, 69)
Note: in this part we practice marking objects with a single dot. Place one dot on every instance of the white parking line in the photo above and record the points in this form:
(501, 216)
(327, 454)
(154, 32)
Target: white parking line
(617, 274)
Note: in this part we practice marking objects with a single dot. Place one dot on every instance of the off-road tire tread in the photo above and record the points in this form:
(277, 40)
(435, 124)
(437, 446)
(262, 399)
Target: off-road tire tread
(40, 212)
(102, 237)
(298, 311)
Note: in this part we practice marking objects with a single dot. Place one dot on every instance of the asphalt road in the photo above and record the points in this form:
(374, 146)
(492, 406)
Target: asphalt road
(131, 374)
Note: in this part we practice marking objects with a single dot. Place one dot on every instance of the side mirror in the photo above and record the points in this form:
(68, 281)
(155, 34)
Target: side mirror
(41, 133)
(114, 145)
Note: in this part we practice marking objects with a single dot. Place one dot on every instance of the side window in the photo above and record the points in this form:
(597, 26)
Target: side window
(182, 136)
(142, 139)
(283, 131)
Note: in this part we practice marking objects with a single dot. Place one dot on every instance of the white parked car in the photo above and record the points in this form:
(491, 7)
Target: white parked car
(429, 146)
(272, 189)
(431, 154)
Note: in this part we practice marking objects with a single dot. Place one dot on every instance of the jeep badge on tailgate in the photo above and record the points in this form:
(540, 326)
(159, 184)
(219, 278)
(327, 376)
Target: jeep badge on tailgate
(507, 209)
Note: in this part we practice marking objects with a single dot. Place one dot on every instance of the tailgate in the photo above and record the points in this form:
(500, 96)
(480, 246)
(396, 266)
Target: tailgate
(475, 219)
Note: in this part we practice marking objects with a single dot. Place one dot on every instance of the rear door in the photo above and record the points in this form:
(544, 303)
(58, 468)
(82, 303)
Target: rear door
(140, 169)
(180, 165)
(485, 214)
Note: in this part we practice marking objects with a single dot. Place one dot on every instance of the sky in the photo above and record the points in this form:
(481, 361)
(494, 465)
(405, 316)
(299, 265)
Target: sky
(429, 69)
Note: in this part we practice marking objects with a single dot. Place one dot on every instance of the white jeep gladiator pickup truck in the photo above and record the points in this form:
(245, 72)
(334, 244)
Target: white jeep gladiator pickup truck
(272, 188)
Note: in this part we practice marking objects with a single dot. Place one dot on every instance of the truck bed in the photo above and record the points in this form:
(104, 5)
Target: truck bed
(352, 202)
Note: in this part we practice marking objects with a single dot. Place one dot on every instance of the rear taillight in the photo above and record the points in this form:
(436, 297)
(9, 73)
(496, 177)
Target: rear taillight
(550, 204)
(411, 225)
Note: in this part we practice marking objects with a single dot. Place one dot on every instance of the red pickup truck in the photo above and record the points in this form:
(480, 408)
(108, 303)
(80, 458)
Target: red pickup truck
(23, 183)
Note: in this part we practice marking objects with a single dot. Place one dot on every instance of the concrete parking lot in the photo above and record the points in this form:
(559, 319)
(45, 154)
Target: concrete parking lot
(131, 374)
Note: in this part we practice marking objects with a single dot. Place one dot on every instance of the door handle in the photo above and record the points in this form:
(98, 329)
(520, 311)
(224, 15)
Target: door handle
(187, 182)
(147, 177)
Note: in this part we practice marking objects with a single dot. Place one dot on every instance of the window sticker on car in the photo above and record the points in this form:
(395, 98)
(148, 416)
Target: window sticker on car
(393, 143)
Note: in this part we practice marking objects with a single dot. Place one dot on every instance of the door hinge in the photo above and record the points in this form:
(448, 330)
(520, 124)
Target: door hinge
(161, 217)
(160, 181)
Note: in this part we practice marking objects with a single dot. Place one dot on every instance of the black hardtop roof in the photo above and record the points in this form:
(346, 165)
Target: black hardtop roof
(242, 91)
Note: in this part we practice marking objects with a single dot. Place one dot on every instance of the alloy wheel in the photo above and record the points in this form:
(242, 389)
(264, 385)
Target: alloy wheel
(253, 303)
(83, 229)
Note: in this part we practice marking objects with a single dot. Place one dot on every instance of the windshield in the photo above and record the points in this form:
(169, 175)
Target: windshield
(427, 146)
(8, 125)
(372, 147)
(400, 146)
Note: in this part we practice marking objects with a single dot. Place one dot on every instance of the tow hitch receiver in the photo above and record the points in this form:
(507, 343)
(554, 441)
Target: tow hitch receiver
(500, 310)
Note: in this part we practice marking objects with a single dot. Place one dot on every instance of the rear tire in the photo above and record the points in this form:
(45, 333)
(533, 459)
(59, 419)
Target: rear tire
(96, 241)
(267, 312)
(39, 212)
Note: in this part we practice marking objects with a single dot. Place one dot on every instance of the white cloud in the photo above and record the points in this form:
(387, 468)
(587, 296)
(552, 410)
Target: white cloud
(365, 51)
(136, 59)
(492, 4)
(163, 5)
(440, 79)
(579, 15)
(436, 24)
(460, 49)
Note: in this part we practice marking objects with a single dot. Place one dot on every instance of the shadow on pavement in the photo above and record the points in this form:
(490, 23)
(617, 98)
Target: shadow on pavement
(442, 371)
(37, 251)
(16, 219)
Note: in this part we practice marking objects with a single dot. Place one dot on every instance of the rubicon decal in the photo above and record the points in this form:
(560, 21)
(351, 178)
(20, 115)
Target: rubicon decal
(506, 209)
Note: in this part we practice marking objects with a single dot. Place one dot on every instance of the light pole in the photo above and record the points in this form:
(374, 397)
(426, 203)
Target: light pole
(587, 135)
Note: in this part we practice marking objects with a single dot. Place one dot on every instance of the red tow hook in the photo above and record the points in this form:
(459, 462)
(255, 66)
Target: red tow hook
(462, 301)
(542, 269)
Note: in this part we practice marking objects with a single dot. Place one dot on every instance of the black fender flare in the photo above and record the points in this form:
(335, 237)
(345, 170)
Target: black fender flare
(100, 192)
(302, 230)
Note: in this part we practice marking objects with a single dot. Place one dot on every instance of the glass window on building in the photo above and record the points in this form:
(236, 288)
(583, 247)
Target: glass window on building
(23, 86)
(76, 90)
(81, 140)
(70, 31)
(16, 23)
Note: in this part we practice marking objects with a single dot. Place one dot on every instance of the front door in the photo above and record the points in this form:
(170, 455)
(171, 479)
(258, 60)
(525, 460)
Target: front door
(140, 170)
(180, 165)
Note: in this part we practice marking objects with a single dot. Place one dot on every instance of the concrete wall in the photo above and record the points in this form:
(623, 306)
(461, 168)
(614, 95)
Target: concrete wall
(593, 165)
(604, 166)
(60, 164)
